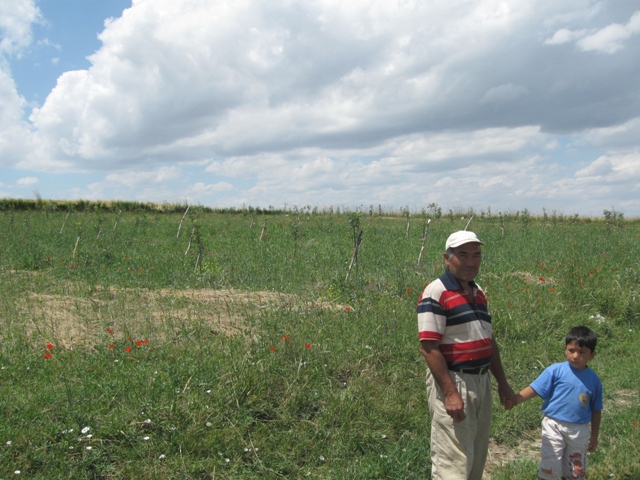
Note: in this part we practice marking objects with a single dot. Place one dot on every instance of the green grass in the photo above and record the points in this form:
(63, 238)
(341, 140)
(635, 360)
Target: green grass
(257, 358)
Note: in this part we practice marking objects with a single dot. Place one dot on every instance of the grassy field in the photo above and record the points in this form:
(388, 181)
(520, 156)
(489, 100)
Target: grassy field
(245, 345)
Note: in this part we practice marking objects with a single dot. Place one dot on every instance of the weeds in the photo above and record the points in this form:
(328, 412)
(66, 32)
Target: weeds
(133, 353)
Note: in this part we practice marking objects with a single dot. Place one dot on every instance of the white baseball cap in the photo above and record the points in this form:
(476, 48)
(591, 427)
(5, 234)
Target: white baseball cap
(460, 238)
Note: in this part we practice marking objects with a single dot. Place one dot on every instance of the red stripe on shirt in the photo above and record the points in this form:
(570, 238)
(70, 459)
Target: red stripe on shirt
(467, 351)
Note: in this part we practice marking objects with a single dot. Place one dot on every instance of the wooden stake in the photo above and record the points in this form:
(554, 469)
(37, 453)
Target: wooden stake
(469, 222)
(181, 220)
(117, 220)
(264, 226)
(354, 257)
(65, 221)
(75, 247)
(424, 239)
(190, 237)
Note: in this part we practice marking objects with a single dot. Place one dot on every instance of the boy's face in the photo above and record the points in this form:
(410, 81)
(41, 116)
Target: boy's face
(578, 356)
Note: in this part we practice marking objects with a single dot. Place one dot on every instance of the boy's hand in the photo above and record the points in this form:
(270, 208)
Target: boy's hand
(593, 444)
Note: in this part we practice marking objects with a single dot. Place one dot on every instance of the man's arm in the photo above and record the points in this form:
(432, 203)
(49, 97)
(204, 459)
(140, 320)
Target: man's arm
(507, 395)
(435, 360)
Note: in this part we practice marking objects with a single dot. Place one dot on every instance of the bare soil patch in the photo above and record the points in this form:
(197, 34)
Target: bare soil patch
(528, 447)
(78, 319)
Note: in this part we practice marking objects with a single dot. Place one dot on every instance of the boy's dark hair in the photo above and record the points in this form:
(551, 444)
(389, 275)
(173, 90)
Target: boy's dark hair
(583, 336)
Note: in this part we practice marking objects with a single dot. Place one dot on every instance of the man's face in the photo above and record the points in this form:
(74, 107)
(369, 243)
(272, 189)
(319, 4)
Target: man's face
(465, 262)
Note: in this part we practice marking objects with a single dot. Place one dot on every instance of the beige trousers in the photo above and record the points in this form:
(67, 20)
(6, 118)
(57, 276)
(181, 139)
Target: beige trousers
(459, 449)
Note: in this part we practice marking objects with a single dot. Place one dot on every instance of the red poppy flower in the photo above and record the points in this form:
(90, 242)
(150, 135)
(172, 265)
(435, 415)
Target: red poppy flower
(145, 341)
(47, 356)
(541, 279)
(308, 345)
(552, 290)
(139, 343)
(49, 346)
(128, 349)
(347, 308)
(272, 348)
(130, 339)
(111, 347)
(110, 331)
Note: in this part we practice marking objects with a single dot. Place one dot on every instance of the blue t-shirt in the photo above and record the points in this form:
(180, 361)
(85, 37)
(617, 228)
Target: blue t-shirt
(569, 395)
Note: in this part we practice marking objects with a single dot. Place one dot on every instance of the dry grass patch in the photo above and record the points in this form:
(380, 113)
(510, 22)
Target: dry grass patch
(528, 447)
(84, 320)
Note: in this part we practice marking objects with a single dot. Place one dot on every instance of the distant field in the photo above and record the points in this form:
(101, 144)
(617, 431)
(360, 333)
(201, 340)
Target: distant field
(251, 344)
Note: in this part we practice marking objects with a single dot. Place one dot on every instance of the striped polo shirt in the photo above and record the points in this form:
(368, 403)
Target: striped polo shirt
(462, 325)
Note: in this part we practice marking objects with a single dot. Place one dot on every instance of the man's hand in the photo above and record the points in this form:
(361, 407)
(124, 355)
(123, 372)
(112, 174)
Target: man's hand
(454, 405)
(508, 397)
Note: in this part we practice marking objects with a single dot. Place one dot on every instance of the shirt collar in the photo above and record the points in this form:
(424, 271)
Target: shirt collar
(451, 283)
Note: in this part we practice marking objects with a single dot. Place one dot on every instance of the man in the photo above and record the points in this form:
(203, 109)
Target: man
(457, 342)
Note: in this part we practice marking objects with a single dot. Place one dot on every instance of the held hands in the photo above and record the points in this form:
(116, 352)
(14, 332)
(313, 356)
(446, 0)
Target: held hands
(508, 397)
(509, 403)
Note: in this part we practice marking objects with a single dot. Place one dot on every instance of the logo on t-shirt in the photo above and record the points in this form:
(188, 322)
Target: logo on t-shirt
(584, 399)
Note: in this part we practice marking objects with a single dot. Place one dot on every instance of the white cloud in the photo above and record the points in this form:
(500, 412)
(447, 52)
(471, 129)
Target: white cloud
(564, 36)
(348, 102)
(16, 19)
(144, 178)
(613, 169)
(610, 39)
(202, 188)
(504, 93)
(27, 181)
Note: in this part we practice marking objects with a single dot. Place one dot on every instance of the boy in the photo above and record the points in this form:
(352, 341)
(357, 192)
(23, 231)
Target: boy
(572, 395)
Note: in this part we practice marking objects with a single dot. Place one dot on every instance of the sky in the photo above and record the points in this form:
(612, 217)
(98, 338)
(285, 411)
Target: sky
(490, 105)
